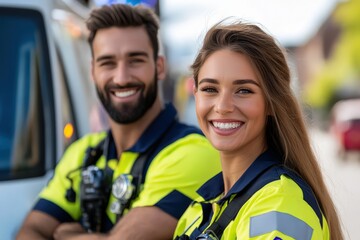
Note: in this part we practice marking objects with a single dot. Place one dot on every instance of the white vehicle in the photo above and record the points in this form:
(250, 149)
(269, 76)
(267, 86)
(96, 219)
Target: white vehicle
(47, 99)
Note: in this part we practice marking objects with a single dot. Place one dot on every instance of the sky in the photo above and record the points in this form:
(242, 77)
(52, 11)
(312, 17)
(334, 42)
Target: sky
(291, 22)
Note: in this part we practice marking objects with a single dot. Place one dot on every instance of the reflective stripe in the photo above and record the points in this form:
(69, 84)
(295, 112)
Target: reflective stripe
(282, 222)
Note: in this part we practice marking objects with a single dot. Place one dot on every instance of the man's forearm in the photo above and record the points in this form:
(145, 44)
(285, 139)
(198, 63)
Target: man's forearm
(82, 236)
(31, 234)
(74, 231)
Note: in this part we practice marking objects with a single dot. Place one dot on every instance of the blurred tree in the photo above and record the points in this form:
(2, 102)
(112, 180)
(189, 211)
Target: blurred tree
(340, 77)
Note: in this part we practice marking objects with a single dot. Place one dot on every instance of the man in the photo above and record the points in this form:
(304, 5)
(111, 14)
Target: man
(153, 163)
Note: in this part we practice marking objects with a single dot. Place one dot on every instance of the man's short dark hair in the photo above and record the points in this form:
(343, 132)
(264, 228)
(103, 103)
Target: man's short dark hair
(124, 15)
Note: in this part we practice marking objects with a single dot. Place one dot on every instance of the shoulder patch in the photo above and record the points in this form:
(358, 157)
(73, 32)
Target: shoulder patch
(282, 222)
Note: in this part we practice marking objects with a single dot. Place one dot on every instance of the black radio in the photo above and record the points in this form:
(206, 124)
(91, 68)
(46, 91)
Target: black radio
(94, 193)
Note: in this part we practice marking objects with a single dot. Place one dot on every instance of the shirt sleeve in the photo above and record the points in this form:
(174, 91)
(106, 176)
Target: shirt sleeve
(278, 211)
(52, 199)
(177, 172)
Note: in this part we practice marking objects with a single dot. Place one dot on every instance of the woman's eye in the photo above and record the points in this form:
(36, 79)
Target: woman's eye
(207, 89)
(245, 91)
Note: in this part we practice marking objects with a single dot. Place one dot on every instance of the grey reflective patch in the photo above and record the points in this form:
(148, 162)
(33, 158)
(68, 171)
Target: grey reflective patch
(282, 222)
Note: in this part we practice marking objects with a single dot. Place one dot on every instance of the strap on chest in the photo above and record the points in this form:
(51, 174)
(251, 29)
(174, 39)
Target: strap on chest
(217, 228)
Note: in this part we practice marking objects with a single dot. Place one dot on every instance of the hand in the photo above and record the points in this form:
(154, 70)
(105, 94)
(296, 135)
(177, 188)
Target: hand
(68, 231)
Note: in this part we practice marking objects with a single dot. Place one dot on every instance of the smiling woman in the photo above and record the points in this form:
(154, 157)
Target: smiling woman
(230, 103)
(271, 186)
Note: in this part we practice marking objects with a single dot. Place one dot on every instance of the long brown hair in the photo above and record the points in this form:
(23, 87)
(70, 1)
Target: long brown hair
(285, 130)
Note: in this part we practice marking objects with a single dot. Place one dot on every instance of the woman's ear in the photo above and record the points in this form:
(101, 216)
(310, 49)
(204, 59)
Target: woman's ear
(194, 88)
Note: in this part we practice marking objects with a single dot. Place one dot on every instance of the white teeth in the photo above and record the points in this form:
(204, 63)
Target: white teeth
(125, 93)
(222, 125)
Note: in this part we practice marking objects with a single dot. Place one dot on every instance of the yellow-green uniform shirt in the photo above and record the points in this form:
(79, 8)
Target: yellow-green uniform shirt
(283, 207)
(181, 161)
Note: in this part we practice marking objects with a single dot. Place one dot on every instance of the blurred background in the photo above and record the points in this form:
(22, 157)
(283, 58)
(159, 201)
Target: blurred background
(47, 99)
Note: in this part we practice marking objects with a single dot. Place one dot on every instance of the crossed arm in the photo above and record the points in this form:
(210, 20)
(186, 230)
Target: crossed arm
(139, 223)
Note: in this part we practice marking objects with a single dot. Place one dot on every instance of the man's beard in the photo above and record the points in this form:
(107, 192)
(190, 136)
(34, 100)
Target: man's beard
(129, 112)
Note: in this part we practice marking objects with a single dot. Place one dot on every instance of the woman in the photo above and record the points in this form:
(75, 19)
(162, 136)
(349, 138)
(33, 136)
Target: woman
(271, 186)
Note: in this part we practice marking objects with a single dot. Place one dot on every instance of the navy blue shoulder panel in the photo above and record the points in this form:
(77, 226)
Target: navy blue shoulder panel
(175, 203)
(309, 196)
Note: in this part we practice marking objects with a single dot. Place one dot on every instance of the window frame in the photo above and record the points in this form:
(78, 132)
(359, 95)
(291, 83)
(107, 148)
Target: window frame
(47, 122)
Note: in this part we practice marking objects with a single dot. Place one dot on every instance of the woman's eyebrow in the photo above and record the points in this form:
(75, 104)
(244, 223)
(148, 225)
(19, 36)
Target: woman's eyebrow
(208, 80)
(236, 82)
(245, 81)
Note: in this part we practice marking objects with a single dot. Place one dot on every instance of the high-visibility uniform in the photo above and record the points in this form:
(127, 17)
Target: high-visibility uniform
(181, 162)
(284, 208)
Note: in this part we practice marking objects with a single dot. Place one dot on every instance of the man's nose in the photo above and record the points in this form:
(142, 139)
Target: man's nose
(122, 74)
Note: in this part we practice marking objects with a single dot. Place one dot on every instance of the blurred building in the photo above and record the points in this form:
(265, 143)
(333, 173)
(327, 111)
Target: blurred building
(310, 56)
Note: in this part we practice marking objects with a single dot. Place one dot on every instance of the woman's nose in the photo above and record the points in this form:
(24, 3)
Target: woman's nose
(225, 103)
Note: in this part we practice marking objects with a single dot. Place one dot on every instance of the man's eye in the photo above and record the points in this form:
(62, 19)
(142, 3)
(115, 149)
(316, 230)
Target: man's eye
(136, 60)
(107, 63)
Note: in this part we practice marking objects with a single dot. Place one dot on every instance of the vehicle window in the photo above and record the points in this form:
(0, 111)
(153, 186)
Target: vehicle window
(24, 75)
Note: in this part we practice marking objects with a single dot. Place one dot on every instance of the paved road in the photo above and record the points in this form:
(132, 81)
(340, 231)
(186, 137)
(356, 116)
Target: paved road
(343, 179)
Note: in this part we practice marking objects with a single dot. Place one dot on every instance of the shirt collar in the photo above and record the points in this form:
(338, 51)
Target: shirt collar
(155, 130)
(215, 186)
